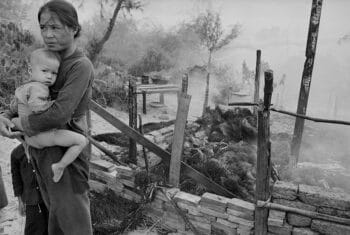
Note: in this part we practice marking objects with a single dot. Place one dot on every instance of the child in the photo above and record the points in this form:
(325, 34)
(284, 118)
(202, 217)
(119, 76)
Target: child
(26, 189)
(33, 97)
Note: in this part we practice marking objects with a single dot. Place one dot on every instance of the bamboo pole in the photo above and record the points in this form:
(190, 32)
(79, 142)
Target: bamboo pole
(306, 78)
(257, 80)
(311, 214)
(332, 121)
(263, 171)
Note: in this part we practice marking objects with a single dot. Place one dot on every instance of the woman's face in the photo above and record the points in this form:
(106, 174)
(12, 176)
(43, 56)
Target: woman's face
(57, 36)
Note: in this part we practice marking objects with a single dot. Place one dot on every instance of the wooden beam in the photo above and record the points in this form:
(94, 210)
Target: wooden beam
(186, 169)
(257, 80)
(162, 90)
(263, 171)
(178, 139)
(311, 214)
(306, 78)
(153, 86)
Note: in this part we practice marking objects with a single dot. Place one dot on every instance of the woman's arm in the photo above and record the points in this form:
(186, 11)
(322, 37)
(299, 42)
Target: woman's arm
(76, 84)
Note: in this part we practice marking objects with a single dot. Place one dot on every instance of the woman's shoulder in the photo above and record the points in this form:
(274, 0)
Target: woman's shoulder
(78, 58)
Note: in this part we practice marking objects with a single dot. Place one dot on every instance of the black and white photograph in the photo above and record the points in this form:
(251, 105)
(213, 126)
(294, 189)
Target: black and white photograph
(174, 117)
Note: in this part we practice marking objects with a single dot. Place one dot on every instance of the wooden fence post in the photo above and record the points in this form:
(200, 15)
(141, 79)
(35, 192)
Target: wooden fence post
(179, 131)
(257, 80)
(132, 105)
(88, 120)
(144, 102)
(263, 171)
(184, 85)
(306, 78)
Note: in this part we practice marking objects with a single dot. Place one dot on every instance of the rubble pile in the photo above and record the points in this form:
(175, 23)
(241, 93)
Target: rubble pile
(222, 145)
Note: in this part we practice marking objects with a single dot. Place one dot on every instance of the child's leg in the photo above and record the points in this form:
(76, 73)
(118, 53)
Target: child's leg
(65, 138)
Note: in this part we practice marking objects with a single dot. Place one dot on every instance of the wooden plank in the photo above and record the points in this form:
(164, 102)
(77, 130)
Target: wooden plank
(162, 90)
(263, 171)
(257, 80)
(186, 169)
(178, 140)
(103, 165)
(153, 86)
(306, 77)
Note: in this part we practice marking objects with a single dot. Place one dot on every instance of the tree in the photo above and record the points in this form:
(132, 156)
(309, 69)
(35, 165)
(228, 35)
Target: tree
(12, 10)
(95, 46)
(209, 29)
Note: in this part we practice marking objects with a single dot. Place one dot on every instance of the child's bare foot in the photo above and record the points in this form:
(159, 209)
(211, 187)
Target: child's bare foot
(57, 172)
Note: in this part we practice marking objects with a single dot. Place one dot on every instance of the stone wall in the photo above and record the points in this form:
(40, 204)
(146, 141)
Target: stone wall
(308, 198)
(213, 214)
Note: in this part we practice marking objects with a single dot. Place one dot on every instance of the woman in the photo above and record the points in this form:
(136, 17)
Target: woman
(67, 200)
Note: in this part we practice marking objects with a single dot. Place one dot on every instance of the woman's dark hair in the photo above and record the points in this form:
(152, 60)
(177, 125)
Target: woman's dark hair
(65, 12)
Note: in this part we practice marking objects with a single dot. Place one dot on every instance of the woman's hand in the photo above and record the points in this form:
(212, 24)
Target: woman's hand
(17, 123)
(5, 128)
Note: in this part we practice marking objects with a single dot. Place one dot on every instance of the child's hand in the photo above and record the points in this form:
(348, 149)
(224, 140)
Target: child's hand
(21, 207)
(18, 124)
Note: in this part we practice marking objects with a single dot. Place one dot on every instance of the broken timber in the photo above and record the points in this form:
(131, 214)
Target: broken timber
(306, 77)
(186, 169)
(178, 139)
(257, 80)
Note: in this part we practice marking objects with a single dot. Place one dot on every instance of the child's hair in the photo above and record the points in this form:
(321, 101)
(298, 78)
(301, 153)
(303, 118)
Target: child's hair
(42, 55)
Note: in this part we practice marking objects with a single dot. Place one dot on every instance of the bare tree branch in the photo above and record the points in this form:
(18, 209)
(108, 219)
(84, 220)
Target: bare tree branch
(95, 45)
(235, 31)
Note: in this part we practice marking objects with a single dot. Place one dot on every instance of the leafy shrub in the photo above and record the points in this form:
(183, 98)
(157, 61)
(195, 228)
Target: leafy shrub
(154, 60)
(14, 47)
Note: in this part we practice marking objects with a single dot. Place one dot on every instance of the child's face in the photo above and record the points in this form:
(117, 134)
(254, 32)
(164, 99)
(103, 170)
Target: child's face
(45, 73)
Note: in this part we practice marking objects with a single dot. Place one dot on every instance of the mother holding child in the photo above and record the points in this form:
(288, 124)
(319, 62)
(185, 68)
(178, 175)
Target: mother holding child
(53, 130)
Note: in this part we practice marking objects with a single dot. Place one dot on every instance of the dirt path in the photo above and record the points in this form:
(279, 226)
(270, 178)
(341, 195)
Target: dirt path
(10, 220)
